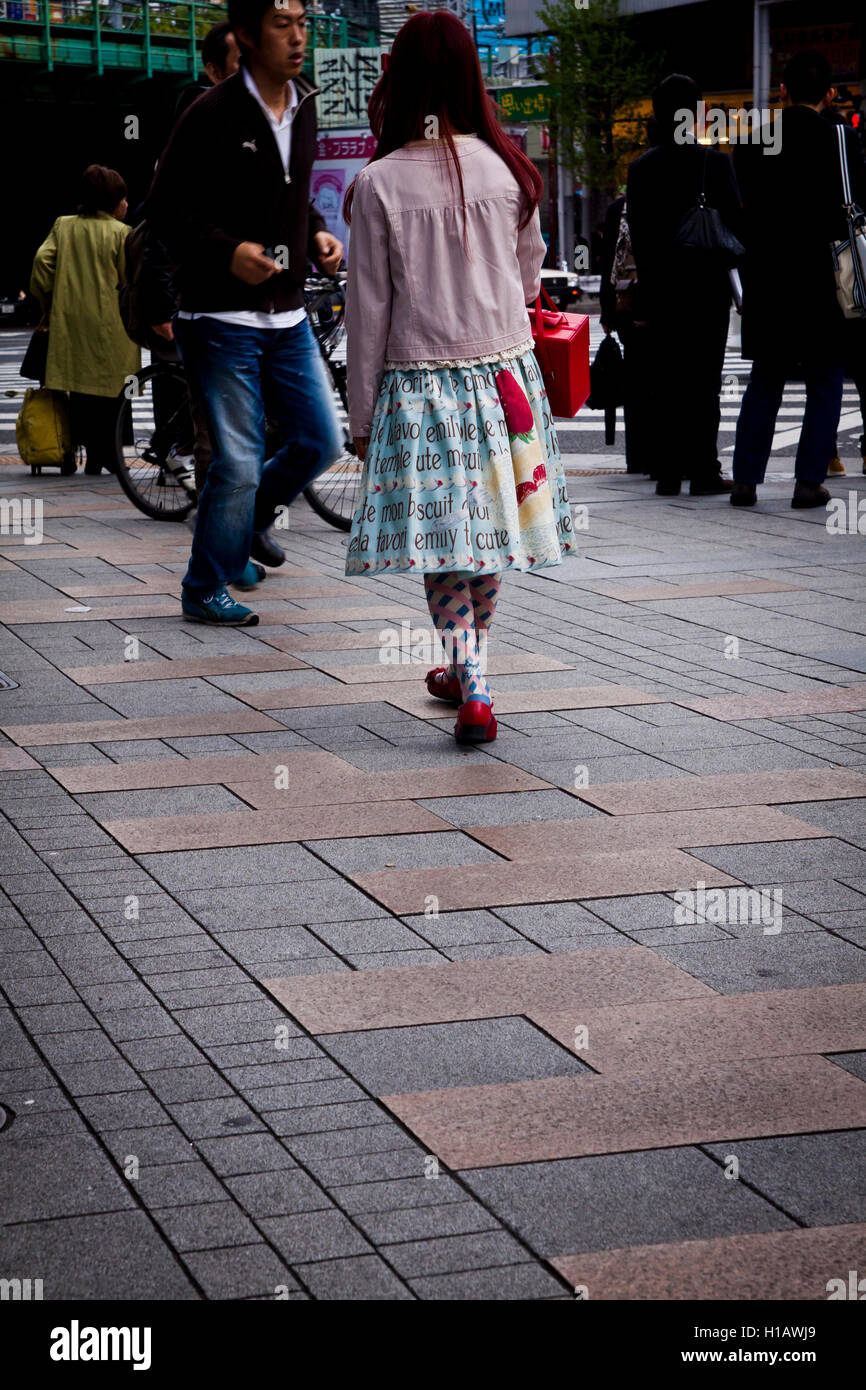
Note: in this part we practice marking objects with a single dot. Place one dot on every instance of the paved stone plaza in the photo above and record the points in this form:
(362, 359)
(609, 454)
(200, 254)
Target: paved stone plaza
(302, 1000)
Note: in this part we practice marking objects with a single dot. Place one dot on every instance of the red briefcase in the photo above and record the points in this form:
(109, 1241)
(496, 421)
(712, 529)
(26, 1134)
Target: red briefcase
(561, 343)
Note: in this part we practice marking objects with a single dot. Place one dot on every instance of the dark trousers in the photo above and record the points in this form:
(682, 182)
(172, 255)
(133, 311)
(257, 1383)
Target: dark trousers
(637, 406)
(855, 369)
(92, 420)
(201, 445)
(757, 422)
(684, 360)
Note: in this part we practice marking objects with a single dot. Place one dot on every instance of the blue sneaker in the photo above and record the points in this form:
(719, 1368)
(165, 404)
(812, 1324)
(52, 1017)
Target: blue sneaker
(218, 608)
(251, 576)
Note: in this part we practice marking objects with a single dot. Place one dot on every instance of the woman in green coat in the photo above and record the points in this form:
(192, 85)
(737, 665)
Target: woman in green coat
(76, 275)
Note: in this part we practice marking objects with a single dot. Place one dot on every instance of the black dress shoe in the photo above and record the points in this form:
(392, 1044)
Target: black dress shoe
(809, 495)
(713, 486)
(744, 495)
(668, 489)
(266, 550)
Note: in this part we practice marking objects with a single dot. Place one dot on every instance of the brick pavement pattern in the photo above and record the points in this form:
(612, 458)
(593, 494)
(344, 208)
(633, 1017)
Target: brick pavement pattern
(301, 1000)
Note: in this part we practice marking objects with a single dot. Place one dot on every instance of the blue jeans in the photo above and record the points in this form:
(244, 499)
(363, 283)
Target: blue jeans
(757, 422)
(235, 369)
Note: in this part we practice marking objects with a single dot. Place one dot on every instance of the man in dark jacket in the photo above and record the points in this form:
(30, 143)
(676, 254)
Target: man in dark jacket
(682, 298)
(230, 201)
(793, 327)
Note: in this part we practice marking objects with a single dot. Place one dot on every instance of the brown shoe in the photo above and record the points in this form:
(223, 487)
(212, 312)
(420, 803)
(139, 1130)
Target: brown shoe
(809, 495)
(835, 466)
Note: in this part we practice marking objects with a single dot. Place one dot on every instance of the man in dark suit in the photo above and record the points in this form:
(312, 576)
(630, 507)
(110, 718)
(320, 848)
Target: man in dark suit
(681, 299)
(793, 327)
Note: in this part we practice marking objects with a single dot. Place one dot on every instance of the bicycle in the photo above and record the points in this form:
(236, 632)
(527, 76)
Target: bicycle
(154, 431)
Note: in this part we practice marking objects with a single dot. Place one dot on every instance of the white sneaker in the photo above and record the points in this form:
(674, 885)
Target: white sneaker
(181, 467)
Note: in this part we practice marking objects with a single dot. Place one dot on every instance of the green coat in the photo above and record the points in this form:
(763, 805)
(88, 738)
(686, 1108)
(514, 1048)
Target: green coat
(76, 274)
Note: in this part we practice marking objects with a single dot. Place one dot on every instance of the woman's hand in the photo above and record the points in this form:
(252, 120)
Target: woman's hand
(361, 446)
(329, 252)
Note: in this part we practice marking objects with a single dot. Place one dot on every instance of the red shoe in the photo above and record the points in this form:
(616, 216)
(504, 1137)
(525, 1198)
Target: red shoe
(442, 686)
(475, 723)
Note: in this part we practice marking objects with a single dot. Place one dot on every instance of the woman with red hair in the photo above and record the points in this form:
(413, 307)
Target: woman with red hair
(462, 474)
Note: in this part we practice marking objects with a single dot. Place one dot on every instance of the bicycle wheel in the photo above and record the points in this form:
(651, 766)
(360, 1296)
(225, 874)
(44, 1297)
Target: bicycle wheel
(334, 494)
(154, 436)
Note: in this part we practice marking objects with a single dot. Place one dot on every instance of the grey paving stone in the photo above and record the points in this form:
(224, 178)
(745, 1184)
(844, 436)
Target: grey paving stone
(378, 934)
(406, 1162)
(89, 1045)
(116, 1256)
(508, 1282)
(369, 853)
(513, 808)
(550, 923)
(178, 1185)
(205, 1119)
(461, 928)
(304, 1094)
(38, 989)
(817, 1178)
(398, 1193)
(206, 1226)
(151, 1054)
(96, 1078)
(360, 1140)
(56, 1018)
(163, 801)
(855, 1062)
(157, 1146)
(423, 1223)
(278, 1193)
(636, 913)
(439, 1056)
(643, 1198)
(791, 960)
(390, 960)
(484, 951)
(279, 905)
(246, 1153)
(314, 1235)
(177, 1084)
(65, 1176)
(813, 897)
(126, 1109)
(360, 1278)
(281, 1071)
(314, 1119)
(246, 1271)
(230, 868)
(452, 1254)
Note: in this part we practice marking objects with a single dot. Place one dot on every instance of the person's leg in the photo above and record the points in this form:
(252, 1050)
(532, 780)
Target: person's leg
(451, 602)
(757, 423)
(301, 395)
(485, 592)
(225, 362)
(703, 392)
(824, 385)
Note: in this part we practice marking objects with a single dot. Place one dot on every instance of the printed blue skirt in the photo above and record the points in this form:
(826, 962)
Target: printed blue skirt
(446, 487)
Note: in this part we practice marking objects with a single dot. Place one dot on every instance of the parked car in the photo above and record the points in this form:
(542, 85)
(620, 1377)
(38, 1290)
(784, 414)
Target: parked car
(18, 310)
(562, 286)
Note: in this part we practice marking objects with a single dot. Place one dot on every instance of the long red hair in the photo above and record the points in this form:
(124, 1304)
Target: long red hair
(433, 71)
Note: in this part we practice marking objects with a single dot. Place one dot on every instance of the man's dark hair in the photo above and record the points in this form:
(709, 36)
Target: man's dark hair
(248, 15)
(675, 93)
(215, 45)
(808, 78)
(100, 190)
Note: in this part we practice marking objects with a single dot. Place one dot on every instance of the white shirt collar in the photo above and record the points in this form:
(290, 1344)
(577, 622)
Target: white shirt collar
(290, 109)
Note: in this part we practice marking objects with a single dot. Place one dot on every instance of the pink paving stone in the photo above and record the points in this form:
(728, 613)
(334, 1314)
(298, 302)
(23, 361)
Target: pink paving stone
(492, 988)
(725, 789)
(781, 704)
(219, 831)
(334, 641)
(570, 1116)
(352, 785)
(661, 870)
(416, 670)
(302, 763)
(643, 593)
(738, 825)
(160, 726)
(684, 1032)
(417, 701)
(769, 1265)
(54, 610)
(16, 760)
(184, 666)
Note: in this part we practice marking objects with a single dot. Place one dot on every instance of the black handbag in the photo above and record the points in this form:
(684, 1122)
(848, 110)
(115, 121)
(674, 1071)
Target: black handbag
(606, 383)
(702, 231)
(35, 364)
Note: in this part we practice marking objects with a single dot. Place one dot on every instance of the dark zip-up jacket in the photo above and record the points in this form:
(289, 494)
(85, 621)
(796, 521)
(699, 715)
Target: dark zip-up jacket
(220, 182)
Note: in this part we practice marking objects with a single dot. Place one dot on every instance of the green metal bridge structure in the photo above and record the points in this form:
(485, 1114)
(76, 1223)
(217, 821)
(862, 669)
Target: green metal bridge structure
(134, 36)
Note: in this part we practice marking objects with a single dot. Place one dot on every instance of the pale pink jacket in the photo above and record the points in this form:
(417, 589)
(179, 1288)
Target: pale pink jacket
(413, 295)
